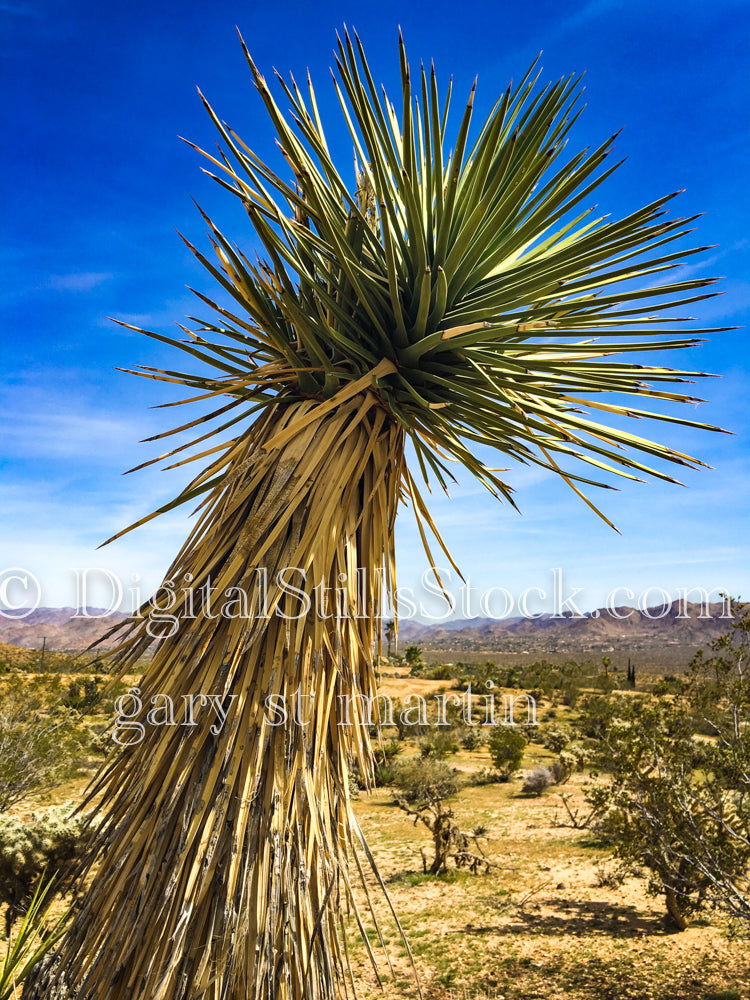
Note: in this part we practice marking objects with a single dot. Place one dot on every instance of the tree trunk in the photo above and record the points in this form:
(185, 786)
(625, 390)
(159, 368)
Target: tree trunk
(223, 850)
(676, 915)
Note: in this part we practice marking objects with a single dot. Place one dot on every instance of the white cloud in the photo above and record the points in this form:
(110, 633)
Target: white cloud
(58, 435)
(51, 536)
(171, 312)
(78, 281)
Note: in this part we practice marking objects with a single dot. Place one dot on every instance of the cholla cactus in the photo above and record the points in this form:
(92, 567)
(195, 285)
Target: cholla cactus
(48, 842)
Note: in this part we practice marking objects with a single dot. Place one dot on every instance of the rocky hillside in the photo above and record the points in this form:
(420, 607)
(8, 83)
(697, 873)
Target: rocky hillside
(664, 637)
(58, 628)
(683, 624)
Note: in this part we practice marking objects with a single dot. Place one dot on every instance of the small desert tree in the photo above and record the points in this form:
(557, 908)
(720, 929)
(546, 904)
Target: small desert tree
(421, 786)
(389, 630)
(677, 805)
(413, 657)
(420, 779)
(719, 685)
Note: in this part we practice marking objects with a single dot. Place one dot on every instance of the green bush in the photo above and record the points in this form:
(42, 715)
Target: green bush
(384, 775)
(570, 694)
(83, 693)
(419, 778)
(443, 672)
(506, 745)
(384, 755)
(41, 739)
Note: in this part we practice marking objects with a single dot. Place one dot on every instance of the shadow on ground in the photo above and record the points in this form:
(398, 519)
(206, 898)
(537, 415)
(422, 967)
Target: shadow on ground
(577, 918)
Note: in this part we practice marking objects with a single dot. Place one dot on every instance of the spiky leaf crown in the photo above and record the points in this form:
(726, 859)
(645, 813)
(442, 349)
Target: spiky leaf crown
(472, 289)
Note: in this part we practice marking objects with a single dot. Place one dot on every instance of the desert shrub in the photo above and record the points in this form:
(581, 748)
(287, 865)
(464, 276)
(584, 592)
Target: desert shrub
(388, 751)
(438, 744)
(384, 755)
(472, 737)
(572, 758)
(540, 678)
(506, 745)
(487, 776)
(406, 720)
(443, 672)
(40, 738)
(561, 769)
(512, 678)
(48, 843)
(605, 682)
(608, 877)
(597, 713)
(384, 775)
(537, 781)
(669, 685)
(421, 786)
(83, 693)
(479, 675)
(421, 779)
(570, 694)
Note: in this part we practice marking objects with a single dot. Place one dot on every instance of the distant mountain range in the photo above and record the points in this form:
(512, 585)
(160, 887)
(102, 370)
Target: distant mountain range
(59, 628)
(678, 623)
(684, 623)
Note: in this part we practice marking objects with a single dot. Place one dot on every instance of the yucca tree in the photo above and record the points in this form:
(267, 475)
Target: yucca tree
(35, 935)
(441, 299)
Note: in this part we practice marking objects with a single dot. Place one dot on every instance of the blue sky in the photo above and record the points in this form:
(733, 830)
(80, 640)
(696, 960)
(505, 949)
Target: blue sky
(95, 96)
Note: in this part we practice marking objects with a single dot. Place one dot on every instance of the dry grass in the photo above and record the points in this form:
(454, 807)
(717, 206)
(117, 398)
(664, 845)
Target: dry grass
(542, 926)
